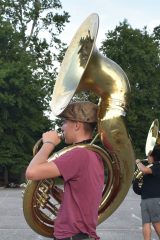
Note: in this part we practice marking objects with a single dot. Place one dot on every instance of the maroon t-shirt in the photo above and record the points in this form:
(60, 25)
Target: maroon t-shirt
(83, 173)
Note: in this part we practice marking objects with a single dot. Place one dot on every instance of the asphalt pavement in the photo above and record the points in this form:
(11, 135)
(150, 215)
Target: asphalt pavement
(123, 224)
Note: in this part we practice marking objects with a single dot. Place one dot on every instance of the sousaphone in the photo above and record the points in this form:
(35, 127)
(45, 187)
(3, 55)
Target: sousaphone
(153, 139)
(82, 69)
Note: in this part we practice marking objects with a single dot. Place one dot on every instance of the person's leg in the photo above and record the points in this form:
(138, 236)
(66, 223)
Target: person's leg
(155, 215)
(147, 231)
(157, 228)
(146, 223)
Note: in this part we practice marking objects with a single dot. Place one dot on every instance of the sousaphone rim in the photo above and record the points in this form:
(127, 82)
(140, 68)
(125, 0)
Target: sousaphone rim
(66, 84)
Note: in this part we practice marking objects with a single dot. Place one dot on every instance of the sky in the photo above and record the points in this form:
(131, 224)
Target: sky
(139, 13)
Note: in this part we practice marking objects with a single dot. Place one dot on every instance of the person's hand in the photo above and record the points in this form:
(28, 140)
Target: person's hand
(51, 137)
(138, 161)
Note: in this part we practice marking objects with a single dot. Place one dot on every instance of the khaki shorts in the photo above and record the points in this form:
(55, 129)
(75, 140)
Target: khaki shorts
(150, 210)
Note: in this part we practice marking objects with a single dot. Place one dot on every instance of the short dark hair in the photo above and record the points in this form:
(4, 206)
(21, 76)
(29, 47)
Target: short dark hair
(156, 153)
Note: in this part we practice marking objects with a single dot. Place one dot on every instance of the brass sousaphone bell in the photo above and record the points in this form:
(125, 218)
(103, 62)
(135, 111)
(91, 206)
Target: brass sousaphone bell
(84, 68)
(152, 137)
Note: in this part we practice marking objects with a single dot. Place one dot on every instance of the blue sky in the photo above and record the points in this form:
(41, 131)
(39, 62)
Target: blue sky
(139, 13)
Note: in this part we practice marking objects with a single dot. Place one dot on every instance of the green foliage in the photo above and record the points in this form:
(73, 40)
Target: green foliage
(29, 30)
(137, 52)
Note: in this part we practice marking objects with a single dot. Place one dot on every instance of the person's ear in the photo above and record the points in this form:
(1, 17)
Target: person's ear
(77, 126)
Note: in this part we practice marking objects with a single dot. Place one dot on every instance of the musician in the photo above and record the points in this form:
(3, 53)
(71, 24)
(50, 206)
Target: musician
(150, 193)
(81, 169)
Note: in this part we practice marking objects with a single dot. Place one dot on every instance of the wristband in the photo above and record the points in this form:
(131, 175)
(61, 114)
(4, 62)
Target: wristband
(50, 142)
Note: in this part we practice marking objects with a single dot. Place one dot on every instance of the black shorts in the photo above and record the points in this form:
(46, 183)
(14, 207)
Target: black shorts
(79, 236)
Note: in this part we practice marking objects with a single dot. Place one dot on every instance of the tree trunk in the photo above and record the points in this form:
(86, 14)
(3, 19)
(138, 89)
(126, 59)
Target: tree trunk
(5, 176)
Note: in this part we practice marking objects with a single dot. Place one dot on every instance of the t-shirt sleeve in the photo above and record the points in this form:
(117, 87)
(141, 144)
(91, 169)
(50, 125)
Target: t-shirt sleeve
(156, 170)
(70, 163)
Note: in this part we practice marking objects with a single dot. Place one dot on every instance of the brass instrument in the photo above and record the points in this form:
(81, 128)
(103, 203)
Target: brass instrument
(84, 68)
(153, 137)
(152, 140)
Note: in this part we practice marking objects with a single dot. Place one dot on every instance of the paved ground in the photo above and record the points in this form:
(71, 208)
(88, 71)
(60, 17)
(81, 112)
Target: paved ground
(124, 224)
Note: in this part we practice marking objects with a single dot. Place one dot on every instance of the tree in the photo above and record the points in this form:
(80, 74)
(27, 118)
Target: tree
(137, 52)
(27, 73)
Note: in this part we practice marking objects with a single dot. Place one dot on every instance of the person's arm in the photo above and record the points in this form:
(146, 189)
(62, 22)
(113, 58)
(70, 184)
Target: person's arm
(143, 168)
(39, 167)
